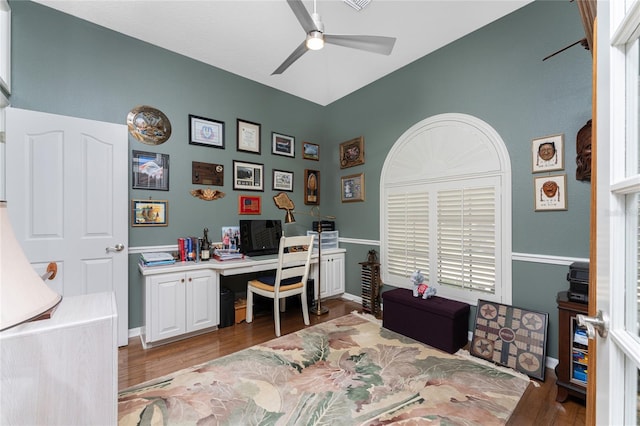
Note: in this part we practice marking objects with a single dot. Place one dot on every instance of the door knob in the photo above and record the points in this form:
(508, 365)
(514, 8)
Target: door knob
(593, 324)
(118, 247)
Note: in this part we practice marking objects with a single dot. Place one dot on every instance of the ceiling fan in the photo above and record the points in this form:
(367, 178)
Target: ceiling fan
(316, 38)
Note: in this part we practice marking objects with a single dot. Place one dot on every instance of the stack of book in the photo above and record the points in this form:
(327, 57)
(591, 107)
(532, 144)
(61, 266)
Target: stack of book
(156, 259)
(227, 254)
(189, 249)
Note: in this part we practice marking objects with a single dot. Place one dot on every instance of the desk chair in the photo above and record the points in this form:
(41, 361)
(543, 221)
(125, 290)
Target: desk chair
(290, 279)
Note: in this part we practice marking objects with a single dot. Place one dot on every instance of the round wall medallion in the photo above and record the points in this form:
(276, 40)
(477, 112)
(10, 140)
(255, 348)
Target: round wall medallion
(148, 125)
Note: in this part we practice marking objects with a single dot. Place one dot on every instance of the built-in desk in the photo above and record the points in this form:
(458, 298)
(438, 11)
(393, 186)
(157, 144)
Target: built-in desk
(183, 299)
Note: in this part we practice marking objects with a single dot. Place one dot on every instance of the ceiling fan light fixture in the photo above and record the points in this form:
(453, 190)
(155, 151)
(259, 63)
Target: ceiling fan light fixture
(315, 40)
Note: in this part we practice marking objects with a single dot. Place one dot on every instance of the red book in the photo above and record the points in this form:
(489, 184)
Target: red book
(182, 250)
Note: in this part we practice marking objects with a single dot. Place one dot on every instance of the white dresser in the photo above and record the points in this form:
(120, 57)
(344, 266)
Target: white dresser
(63, 370)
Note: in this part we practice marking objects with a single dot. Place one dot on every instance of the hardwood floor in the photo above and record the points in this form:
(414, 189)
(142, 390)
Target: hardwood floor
(135, 365)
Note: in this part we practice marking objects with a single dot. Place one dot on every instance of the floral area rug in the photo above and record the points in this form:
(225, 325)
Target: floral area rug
(347, 371)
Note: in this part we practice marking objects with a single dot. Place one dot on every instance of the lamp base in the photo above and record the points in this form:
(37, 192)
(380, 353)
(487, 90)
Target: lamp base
(319, 310)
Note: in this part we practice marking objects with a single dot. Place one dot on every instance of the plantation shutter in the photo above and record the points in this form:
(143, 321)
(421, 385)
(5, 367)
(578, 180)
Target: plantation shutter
(466, 238)
(407, 248)
(445, 209)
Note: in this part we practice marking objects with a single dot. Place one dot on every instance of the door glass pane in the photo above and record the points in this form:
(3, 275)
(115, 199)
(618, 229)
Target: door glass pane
(633, 111)
(635, 412)
(633, 264)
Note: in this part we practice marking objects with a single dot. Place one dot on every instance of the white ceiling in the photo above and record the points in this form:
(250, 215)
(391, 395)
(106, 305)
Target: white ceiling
(252, 38)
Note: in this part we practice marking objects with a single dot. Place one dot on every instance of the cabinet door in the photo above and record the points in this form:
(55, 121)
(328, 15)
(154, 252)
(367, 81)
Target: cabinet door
(336, 286)
(325, 272)
(332, 270)
(167, 306)
(201, 300)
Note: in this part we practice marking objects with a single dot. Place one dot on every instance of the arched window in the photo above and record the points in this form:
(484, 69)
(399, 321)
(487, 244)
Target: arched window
(445, 194)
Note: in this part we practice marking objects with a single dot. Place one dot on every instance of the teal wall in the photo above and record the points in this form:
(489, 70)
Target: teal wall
(67, 66)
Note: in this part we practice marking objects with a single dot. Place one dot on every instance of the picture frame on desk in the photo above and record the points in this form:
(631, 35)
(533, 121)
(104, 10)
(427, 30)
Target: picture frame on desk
(147, 213)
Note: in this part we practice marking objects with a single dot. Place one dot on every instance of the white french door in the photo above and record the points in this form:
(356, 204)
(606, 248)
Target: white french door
(67, 201)
(618, 220)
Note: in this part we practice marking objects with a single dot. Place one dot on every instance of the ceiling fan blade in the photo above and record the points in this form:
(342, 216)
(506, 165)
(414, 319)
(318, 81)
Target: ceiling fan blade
(303, 15)
(375, 44)
(300, 50)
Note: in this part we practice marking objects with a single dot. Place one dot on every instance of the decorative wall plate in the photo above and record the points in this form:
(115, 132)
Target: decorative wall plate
(148, 125)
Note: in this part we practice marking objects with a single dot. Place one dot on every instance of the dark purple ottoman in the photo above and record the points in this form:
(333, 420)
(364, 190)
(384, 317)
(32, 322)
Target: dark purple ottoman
(438, 322)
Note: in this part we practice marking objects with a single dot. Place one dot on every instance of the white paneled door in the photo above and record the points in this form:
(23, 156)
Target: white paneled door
(66, 190)
(617, 390)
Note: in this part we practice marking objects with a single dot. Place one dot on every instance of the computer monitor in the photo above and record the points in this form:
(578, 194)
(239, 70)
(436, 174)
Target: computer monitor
(260, 236)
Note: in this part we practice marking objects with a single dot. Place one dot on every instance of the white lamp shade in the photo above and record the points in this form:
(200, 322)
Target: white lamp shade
(23, 294)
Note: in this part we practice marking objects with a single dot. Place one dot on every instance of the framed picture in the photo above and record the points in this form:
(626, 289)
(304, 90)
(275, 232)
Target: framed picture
(249, 204)
(5, 47)
(248, 136)
(149, 212)
(352, 152)
(206, 132)
(550, 192)
(230, 237)
(310, 151)
(312, 187)
(547, 153)
(282, 180)
(207, 173)
(352, 188)
(283, 144)
(248, 176)
(150, 170)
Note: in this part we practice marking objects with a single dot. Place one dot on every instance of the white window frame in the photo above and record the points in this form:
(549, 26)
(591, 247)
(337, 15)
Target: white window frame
(447, 151)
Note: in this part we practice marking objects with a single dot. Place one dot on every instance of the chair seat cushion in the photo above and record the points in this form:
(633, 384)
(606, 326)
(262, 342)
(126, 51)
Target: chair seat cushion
(271, 280)
(267, 283)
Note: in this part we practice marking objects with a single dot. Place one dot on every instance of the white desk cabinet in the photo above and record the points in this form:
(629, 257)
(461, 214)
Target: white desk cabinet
(332, 274)
(62, 370)
(179, 304)
(183, 299)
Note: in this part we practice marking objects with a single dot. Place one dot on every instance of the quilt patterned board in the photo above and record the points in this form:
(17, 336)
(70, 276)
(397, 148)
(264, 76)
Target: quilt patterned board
(511, 336)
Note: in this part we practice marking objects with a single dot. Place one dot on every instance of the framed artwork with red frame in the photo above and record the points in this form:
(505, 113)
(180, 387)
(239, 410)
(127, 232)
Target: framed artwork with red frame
(249, 204)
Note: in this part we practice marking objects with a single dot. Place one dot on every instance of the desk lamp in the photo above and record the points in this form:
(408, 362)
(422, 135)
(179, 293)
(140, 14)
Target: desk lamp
(23, 293)
(283, 202)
